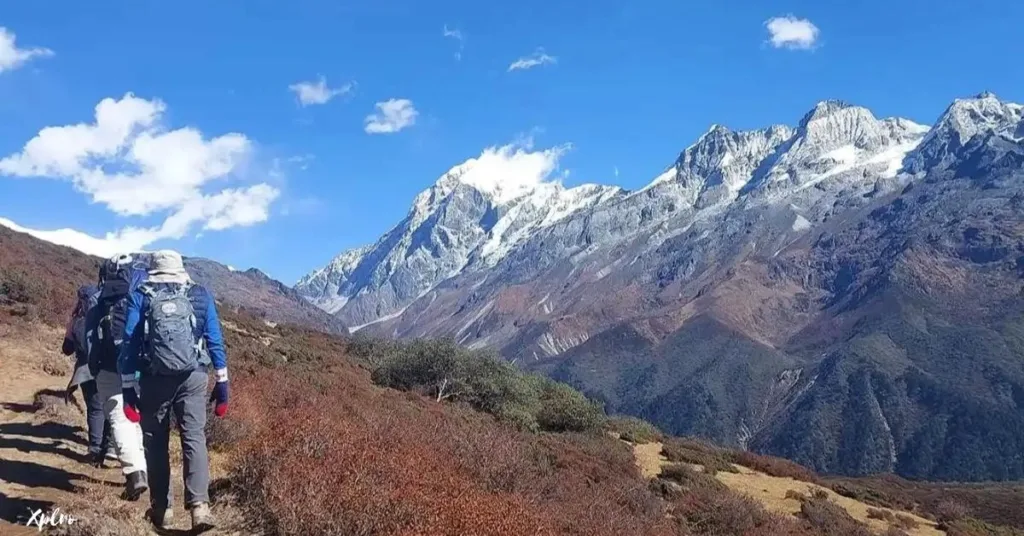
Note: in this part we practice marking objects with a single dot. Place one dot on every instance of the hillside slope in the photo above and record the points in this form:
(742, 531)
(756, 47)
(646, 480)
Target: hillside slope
(309, 432)
(37, 269)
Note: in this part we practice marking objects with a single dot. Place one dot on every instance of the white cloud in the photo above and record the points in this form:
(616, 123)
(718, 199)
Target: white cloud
(108, 246)
(539, 57)
(317, 92)
(129, 162)
(391, 116)
(791, 32)
(12, 57)
(615, 170)
(508, 171)
(456, 34)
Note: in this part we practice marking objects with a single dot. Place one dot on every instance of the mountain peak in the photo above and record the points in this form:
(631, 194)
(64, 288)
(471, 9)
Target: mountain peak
(964, 119)
(824, 109)
(831, 105)
(716, 130)
(982, 113)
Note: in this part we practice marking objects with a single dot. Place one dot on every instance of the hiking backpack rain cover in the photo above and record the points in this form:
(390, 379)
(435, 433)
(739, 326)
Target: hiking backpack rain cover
(171, 344)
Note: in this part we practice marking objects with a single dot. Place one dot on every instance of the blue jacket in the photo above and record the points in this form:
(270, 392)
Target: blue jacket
(207, 328)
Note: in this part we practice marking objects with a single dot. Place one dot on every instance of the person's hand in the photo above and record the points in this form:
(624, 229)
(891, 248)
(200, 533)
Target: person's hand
(130, 399)
(219, 396)
(69, 395)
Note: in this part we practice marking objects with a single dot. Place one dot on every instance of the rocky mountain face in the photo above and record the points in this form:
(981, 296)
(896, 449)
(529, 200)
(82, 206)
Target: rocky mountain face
(846, 293)
(256, 292)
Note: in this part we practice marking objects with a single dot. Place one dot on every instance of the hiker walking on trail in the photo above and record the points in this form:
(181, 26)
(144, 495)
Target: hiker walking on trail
(75, 343)
(105, 333)
(175, 322)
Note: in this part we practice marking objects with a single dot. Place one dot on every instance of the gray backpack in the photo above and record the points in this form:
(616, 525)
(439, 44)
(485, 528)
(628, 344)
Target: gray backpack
(171, 344)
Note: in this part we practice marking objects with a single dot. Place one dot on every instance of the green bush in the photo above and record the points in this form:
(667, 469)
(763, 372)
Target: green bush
(372, 351)
(633, 429)
(446, 371)
(564, 409)
(434, 367)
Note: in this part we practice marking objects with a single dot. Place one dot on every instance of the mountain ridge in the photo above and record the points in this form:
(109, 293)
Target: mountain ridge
(705, 174)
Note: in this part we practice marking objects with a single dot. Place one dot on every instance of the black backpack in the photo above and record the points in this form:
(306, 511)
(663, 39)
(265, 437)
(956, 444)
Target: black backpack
(88, 297)
(120, 277)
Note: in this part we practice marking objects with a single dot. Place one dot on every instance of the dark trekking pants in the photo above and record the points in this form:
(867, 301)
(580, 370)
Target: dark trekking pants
(185, 395)
(95, 418)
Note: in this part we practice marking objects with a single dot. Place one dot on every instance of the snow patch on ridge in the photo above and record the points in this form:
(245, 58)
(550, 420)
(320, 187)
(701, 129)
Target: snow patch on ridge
(384, 318)
(800, 224)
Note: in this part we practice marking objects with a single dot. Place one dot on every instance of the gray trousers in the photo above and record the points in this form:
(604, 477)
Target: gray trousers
(96, 418)
(185, 395)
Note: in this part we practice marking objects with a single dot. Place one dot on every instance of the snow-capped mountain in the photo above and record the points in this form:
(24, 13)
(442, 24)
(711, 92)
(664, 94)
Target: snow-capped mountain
(479, 215)
(467, 221)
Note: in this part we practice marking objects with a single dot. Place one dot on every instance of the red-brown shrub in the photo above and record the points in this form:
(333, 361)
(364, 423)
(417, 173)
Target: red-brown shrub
(884, 515)
(774, 466)
(38, 280)
(904, 521)
(830, 519)
(711, 511)
(951, 510)
(347, 458)
(794, 494)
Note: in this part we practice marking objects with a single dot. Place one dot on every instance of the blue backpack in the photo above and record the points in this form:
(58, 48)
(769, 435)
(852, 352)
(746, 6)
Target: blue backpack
(171, 343)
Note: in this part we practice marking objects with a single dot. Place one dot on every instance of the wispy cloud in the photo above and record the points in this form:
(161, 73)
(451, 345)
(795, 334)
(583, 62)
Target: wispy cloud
(456, 34)
(391, 116)
(615, 170)
(792, 33)
(539, 57)
(302, 160)
(12, 57)
(317, 92)
(130, 162)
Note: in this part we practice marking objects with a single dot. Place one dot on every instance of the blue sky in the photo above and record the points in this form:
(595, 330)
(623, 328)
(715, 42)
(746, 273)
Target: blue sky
(627, 83)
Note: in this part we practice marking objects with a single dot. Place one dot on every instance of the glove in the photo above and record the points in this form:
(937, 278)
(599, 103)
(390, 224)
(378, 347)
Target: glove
(130, 402)
(219, 396)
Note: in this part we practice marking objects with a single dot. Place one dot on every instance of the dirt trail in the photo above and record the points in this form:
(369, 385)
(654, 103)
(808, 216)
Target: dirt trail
(770, 491)
(649, 459)
(43, 451)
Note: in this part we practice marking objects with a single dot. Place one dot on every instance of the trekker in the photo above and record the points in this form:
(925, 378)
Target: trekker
(75, 343)
(175, 321)
(105, 332)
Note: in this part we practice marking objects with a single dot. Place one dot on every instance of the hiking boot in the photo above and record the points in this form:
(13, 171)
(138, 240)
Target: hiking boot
(162, 518)
(202, 518)
(111, 454)
(96, 459)
(136, 485)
